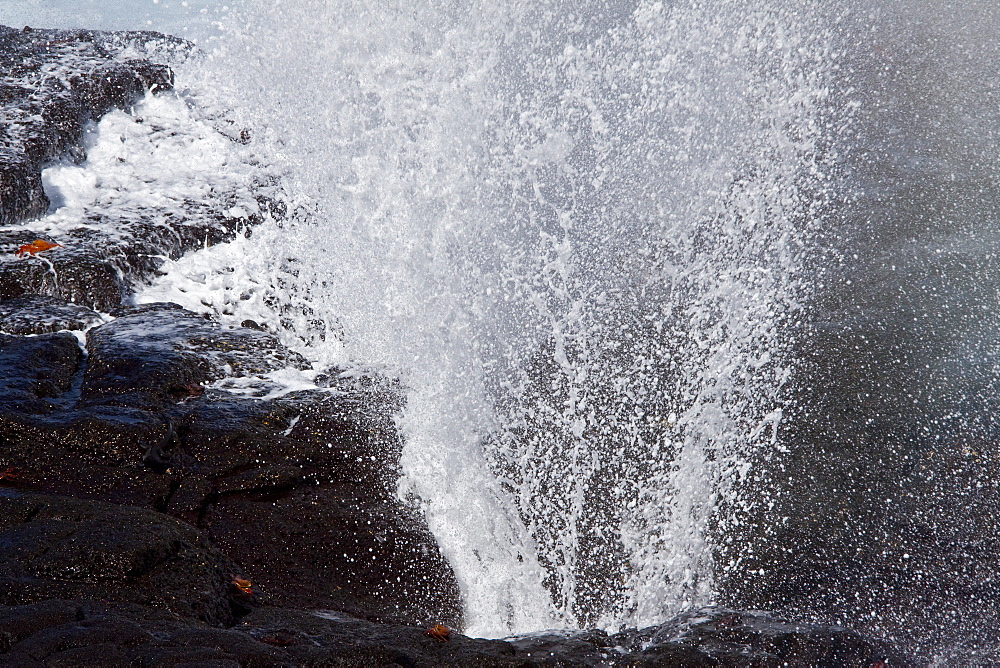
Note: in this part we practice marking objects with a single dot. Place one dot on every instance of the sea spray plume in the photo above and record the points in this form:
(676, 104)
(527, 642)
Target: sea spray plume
(574, 230)
(383, 147)
(679, 171)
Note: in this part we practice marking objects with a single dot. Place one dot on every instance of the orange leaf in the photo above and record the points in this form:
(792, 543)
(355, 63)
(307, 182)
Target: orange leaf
(36, 246)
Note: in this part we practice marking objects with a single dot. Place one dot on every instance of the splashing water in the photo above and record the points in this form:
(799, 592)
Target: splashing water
(575, 230)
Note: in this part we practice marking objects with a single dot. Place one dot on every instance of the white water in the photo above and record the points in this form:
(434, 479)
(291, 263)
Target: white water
(575, 232)
(573, 229)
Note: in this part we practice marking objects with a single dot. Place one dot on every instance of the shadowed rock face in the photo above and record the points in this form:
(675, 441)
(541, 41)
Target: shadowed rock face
(35, 371)
(58, 547)
(87, 632)
(300, 490)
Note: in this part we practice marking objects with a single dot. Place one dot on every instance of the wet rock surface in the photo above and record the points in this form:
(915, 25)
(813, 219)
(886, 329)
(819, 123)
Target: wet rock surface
(736, 638)
(300, 488)
(88, 632)
(148, 516)
(713, 637)
(158, 354)
(35, 371)
(59, 547)
(37, 314)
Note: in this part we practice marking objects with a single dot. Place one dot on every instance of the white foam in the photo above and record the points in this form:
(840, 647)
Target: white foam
(160, 160)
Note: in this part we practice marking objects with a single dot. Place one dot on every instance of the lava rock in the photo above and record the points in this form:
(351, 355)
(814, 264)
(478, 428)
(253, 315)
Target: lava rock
(569, 648)
(67, 273)
(130, 422)
(304, 494)
(37, 314)
(90, 632)
(102, 261)
(313, 638)
(63, 548)
(98, 453)
(159, 353)
(712, 637)
(36, 370)
(301, 489)
(721, 637)
(56, 81)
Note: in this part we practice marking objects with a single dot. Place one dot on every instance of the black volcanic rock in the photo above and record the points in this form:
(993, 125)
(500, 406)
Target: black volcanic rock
(60, 548)
(300, 490)
(83, 276)
(35, 370)
(37, 314)
(304, 495)
(720, 637)
(101, 262)
(54, 83)
(160, 353)
(88, 632)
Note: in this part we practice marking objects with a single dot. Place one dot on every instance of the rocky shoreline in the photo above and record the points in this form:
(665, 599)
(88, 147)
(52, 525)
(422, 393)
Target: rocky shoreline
(149, 519)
